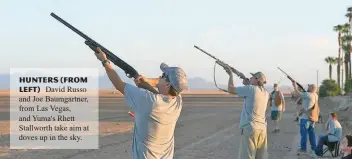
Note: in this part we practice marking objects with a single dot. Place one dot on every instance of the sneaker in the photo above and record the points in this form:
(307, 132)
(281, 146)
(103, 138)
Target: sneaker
(314, 155)
(301, 152)
(296, 119)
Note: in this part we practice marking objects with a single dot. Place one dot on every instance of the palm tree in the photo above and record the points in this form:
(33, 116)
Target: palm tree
(346, 47)
(349, 16)
(346, 40)
(331, 61)
(338, 28)
(338, 61)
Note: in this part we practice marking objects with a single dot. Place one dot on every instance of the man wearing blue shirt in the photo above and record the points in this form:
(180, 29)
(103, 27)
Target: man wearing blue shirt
(333, 134)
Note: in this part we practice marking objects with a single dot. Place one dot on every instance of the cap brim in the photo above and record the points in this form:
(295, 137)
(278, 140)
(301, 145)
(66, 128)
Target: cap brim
(163, 67)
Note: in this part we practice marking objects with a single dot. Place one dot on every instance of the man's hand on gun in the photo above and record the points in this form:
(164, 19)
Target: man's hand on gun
(294, 84)
(100, 54)
(141, 79)
(228, 70)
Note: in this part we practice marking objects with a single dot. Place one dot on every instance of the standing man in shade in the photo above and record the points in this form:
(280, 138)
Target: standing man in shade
(277, 101)
(156, 115)
(253, 120)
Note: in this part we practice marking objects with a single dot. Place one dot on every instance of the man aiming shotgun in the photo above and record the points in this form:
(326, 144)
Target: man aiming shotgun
(310, 114)
(156, 111)
(253, 120)
(156, 115)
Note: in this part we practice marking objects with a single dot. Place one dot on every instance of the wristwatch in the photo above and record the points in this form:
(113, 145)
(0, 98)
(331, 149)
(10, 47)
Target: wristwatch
(104, 62)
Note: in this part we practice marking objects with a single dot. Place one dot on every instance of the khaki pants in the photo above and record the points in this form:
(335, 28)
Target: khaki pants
(253, 144)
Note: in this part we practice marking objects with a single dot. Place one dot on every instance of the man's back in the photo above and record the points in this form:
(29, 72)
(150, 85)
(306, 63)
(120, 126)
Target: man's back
(253, 113)
(335, 131)
(155, 121)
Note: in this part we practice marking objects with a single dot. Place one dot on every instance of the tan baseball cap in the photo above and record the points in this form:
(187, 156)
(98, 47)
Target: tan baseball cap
(260, 76)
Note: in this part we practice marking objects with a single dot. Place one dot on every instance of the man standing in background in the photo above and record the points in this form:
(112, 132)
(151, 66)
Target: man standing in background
(277, 101)
(310, 115)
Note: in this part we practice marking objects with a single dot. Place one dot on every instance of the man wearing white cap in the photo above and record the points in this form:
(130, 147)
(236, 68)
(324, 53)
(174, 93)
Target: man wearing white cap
(253, 120)
(310, 115)
(277, 101)
(156, 115)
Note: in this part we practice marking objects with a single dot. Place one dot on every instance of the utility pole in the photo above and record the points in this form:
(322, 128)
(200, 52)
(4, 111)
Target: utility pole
(318, 81)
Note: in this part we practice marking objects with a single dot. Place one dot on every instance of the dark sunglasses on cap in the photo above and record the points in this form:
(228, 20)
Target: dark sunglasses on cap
(164, 75)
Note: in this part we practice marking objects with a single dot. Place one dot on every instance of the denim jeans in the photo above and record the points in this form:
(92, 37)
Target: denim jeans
(307, 127)
(323, 139)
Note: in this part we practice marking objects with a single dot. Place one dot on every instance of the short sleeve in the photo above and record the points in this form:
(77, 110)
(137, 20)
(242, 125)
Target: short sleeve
(140, 100)
(304, 96)
(331, 128)
(282, 95)
(242, 91)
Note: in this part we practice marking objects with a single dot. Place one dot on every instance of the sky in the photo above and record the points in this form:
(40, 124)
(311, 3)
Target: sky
(251, 36)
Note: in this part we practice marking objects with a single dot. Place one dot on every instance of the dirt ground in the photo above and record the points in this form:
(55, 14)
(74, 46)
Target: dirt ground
(208, 128)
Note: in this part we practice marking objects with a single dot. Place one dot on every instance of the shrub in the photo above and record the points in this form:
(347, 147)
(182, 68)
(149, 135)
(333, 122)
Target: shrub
(329, 88)
(348, 86)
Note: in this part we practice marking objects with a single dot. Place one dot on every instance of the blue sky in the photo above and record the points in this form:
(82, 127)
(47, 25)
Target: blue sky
(249, 35)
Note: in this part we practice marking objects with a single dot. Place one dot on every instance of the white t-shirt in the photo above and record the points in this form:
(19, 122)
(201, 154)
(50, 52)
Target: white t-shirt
(155, 120)
(254, 108)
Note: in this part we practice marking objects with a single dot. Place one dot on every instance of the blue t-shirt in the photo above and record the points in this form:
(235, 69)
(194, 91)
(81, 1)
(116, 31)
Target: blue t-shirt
(156, 116)
(334, 130)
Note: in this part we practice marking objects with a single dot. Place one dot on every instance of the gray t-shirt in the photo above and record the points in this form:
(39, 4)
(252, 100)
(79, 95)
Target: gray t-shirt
(155, 120)
(335, 131)
(254, 107)
(309, 100)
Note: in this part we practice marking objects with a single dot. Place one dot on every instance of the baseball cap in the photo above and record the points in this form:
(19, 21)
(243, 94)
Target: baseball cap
(177, 77)
(260, 76)
(312, 85)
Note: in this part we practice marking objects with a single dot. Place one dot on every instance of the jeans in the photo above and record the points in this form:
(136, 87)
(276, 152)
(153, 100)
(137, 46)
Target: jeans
(307, 127)
(323, 139)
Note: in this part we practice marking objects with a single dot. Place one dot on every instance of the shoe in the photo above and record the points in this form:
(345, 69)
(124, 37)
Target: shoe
(301, 152)
(276, 131)
(314, 155)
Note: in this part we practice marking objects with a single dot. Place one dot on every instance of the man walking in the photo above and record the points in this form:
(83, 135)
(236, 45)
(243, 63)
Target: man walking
(253, 120)
(310, 115)
(156, 115)
(277, 101)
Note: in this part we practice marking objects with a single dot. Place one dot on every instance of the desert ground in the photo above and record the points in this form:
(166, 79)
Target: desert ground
(207, 128)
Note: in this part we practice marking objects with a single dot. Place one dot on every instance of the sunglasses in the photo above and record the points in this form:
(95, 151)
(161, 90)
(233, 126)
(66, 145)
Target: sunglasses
(164, 76)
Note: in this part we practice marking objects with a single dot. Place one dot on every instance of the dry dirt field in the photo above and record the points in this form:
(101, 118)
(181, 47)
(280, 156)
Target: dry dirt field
(207, 128)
